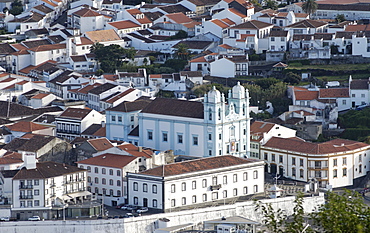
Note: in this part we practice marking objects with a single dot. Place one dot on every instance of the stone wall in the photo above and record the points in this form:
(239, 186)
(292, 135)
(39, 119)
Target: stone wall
(149, 223)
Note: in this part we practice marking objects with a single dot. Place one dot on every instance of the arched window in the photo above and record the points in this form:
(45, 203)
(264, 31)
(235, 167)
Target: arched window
(243, 109)
(219, 113)
(104, 181)
(96, 190)
(210, 114)
(88, 168)
(103, 171)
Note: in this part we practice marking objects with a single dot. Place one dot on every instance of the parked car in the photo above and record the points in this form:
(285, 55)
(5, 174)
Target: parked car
(34, 218)
(128, 215)
(5, 219)
(124, 207)
(132, 207)
(120, 205)
(142, 210)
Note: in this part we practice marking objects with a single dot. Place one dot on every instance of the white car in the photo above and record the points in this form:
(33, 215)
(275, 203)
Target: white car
(142, 210)
(34, 218)
(6, 219)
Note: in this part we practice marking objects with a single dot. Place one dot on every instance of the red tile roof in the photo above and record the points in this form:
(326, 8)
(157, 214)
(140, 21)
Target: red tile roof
(100, 144)
(219, 23)
(306, 95)
(26, 126)
(48, 47)
(109, 160)
(179, 18)
(85, 12)
(334, 93)
(124, 24)
(333, 146)
(39, 96)
(261, 127)
(134, 150)
(197, 165)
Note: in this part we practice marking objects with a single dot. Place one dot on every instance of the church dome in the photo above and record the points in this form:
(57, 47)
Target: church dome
(238, 91)
(214, 95)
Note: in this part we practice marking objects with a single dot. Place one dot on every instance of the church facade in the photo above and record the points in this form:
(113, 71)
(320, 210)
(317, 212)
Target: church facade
(213, 127)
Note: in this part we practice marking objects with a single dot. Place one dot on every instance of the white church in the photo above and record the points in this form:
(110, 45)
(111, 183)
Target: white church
(210, 128)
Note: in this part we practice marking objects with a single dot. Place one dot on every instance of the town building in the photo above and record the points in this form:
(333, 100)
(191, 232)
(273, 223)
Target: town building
(190, 183)
(333, 164)
(212, 128)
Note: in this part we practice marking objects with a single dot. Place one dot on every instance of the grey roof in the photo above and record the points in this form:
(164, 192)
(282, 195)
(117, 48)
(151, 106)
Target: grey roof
(91, 129)
(175, 8)
(175, 107)
(103, 88)
(35, 43)
(46, 170)
(136, 105)
(62, 77)
(32, 144)
(6, 49)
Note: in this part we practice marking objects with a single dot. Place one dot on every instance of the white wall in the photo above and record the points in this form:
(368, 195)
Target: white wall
(147, 223)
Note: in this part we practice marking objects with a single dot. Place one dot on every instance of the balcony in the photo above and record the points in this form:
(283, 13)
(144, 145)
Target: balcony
(67, 131)
(215, 187)
(26, 186)
(25, 196)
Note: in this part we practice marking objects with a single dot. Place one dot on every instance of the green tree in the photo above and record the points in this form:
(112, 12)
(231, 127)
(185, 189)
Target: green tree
(271, 4)
(176, 64)
(310, 6)
(179, 35)
(341, 213)
(276, 220)
(16, 7)
(182, 51)
(292, 78)
(340, 18)
(255, 2)
(265, 83)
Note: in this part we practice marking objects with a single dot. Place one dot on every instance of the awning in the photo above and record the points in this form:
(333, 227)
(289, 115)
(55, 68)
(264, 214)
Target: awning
(74, 195)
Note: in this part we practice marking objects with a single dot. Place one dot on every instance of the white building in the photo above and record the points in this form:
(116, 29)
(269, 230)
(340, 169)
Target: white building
(261, 132)
(338, 162)
(73, 121)
(214, 127)
(106, 176)
(195, 182)
(359, 91)
(37, 188)
(123, 118)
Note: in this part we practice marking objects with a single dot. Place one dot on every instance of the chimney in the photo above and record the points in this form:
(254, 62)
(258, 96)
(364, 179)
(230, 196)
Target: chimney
(140, 149)
(103, 124)
(29, 159)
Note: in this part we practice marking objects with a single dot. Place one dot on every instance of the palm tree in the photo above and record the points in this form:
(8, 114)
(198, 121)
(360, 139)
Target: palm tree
(309, 6)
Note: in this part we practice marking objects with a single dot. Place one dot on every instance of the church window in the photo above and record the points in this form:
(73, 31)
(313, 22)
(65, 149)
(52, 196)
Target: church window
(195, 140)
(219, 113)
(210, 114)
(232, 131)
(243, 109)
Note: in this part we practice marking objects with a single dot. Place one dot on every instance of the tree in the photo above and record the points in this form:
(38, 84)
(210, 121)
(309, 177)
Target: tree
(255, 2)
(271, 4)
(276, 220)
(182, 51)
(340, 18)
(179, 35)
(309, 6)
(345, 212)
(176, 64)
(16, 7)
(292, 78)
(265, 83)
